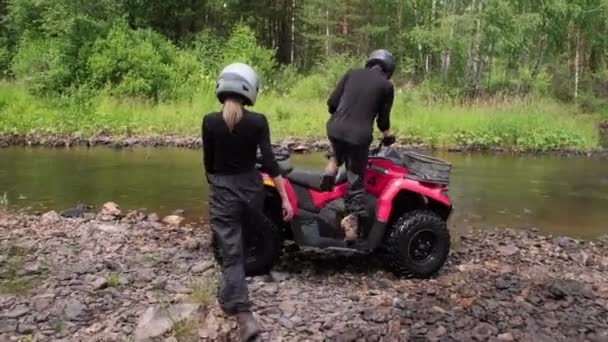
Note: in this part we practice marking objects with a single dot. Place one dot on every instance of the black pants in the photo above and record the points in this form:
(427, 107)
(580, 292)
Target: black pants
(231, 199)
(355, 158)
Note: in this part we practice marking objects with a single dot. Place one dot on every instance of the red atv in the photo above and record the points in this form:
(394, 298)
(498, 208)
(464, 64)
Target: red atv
(406, 197)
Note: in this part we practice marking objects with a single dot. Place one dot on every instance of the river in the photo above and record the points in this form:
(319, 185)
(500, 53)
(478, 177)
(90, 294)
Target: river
(560, 196)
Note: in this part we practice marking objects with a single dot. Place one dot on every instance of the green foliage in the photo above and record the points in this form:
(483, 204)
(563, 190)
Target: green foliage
(323, 78)
(141, 63)
(521, 125)
(242, 47)
(207, 47)
(43, 65)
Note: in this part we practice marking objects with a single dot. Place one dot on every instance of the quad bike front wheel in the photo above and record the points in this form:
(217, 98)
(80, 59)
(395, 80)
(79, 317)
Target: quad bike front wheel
(417, 244)
(262, 246)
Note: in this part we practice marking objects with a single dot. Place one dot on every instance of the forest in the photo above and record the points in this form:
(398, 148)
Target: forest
(523, 74)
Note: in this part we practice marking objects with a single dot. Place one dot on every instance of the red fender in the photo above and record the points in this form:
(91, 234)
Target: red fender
(385, 201)
(291, 194)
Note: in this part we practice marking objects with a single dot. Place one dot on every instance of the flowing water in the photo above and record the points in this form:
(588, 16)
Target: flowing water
(561, 196)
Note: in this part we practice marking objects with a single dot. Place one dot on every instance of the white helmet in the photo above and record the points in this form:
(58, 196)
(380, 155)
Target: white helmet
(238, 79)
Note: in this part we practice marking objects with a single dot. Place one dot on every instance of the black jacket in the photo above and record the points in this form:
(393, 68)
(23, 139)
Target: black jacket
(229, 153)
(361, 96)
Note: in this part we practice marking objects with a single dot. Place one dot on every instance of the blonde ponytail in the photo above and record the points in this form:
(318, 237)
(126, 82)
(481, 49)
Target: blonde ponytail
(232, 112)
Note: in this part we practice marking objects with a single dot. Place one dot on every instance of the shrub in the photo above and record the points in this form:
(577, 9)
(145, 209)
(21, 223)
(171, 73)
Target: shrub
(42, 64)
(242, 47)
(141, 63)
(207, 48)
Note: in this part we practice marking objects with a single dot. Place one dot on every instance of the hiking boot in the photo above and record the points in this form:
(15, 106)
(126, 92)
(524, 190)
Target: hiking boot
(248, 327)
(350, 225)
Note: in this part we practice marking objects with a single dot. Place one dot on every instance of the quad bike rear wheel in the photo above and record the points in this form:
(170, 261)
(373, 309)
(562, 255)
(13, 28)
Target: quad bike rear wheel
(262, 246)
(417, 244)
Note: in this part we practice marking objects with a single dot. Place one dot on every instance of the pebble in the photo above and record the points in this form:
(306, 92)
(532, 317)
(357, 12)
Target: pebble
(497, 286)
(74, 310)
(100, 283)
(17, 312)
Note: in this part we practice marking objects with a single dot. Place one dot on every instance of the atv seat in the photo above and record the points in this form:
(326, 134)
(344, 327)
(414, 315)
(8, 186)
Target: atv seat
(312, 179)
(306, 178)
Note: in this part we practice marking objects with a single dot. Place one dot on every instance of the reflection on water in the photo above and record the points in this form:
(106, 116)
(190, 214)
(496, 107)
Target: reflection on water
(566, 196)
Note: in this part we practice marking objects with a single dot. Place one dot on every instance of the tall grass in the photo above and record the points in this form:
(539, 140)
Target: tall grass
(515, 124)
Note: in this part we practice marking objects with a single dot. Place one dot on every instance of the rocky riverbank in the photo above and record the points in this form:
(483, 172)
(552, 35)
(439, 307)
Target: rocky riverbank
(295, 145)
(113, 276)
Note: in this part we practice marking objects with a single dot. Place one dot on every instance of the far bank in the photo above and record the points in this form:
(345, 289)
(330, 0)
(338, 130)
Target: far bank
(515, 125)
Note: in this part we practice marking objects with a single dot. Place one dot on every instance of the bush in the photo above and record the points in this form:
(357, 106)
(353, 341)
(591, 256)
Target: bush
(242, 47)
(207, 48)
(324, 77)
(43, 65)
(284, 79)
(589, 103)
(141, 63)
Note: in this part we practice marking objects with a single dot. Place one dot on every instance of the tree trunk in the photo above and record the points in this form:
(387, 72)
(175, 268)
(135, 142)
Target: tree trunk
(473, 64)
(327, 50)
(293, 32)
(577, 63)
(447, 52)
(541, 57)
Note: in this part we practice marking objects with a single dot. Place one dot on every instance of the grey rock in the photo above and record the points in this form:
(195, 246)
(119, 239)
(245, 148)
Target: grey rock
(286, 323)
(153, 217)
(192, 244)
(288, 308)
(179, 212)
(50, 218)
(25, 328)
(565, 242)
(157, 320)
(508, 250)
(173, 220)
(8, 326)
(176, 287)
(100, 283)
(145, 275)
(111, 209)
(32, 268)
(74, 310)
(506, 337)
(278, 276)
(483, 331)
(17, 312)
(201, 267)
(42, 302)
(437, 333)
(74, 212)
(112, 228)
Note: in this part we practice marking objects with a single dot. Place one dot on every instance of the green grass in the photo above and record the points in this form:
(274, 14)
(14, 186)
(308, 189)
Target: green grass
(113, 279)
(539, 124)
(11, 282)
(203, 290)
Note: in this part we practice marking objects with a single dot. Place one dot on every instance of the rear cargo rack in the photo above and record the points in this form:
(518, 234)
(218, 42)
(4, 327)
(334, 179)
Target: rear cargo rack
(424, 168)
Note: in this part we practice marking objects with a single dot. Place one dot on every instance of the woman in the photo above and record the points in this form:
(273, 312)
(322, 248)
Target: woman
(230, 142)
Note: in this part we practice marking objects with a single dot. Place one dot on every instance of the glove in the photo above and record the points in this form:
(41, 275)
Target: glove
(389, 140)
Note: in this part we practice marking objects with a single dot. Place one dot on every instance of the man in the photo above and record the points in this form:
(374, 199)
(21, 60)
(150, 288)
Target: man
(360, 97)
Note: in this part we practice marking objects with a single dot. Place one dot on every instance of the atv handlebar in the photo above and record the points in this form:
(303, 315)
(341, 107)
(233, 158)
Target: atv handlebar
(384, 141)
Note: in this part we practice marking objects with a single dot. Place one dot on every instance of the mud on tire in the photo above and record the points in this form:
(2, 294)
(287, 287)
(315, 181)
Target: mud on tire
(417, 244)
(263, 246)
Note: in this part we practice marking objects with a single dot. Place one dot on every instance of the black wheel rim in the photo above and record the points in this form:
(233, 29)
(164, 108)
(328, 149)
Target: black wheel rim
(421, 246)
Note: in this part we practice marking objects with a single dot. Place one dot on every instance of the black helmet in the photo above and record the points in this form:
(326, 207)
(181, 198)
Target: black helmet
(384, 59)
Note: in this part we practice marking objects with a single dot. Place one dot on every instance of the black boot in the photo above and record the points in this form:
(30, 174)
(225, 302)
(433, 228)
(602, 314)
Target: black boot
(248, 327)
